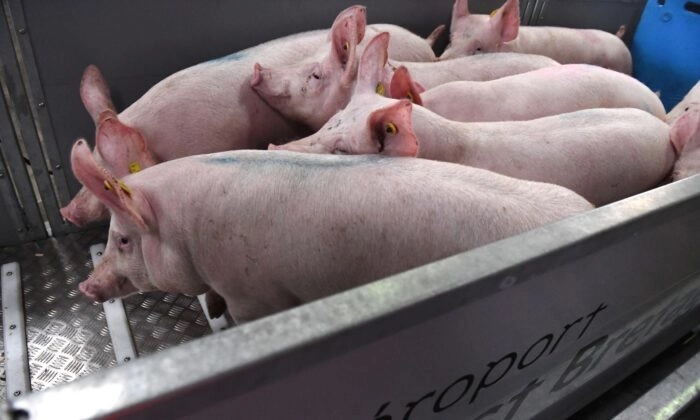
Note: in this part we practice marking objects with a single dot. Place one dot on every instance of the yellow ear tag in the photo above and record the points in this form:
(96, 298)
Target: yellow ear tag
(346, 46)
(380, 88)
(134, 167)
(391, 128)
(107, 185)
(123, 187)
(494, 12)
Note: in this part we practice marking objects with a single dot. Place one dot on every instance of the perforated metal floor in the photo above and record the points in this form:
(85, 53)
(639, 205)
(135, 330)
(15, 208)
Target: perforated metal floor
(67, 333)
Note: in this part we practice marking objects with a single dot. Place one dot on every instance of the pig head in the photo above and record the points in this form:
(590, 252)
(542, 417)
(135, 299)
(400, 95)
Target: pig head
(120, 148)
(476, 34)
(133, 235)
(312, 91)
(370, 123)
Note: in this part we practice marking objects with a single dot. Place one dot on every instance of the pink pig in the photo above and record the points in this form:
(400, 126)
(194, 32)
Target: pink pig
(538, 93)
(685, 137)
(501, 32)
(271, 230)
(312, 91)
(208, 107)
(602, 154)
(691, 99)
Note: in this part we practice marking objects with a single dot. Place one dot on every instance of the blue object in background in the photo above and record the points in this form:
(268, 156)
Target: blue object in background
(666, 48)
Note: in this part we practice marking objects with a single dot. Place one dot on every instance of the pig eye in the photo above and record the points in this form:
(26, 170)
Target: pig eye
(316, 76)
(124, 240)
(391, 128)
(686, 108)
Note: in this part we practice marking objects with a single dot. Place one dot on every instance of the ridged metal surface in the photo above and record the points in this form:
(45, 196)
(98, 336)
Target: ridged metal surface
(67, 334)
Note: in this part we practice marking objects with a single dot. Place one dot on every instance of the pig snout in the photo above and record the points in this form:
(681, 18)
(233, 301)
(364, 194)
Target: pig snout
(102, 285)
(267, 84)
(92, 291)
(71, 214)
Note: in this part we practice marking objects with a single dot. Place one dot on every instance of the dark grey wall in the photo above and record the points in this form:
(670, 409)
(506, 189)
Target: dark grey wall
(137, 43)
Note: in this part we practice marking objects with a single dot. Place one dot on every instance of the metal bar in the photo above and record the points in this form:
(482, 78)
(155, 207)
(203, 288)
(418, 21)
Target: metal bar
(117, 322)
(16, 361)
(669, 397)
(24, 94)
(28, 222)
(216, 324)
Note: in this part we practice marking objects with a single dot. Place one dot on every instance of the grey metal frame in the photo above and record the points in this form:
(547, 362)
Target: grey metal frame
(23, 221)
(16, 356)
(617, 285)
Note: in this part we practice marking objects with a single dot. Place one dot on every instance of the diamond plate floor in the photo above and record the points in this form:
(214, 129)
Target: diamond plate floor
(67, 333)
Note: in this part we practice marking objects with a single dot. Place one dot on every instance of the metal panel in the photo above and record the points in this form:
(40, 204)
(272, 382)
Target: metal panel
(16, 362)
(21, 103)
(669, 397)
(535, 325)
(117, 322)
(17, 199)
(606, 15)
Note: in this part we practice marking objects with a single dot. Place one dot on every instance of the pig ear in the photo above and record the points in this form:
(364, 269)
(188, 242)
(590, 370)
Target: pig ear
(393, 129)
(684, 129)
(344, 45)
(107, 188)
(357, 12)
(403, 86)
(371, 67)
(95, 94)
(122, 148)
(506, 20)
(460, 9)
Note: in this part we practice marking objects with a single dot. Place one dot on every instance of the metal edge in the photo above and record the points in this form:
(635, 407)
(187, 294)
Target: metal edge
(668, 398)
(31, 226)
(338, 323)
(27, 98)
(16, 355)
(117, 322)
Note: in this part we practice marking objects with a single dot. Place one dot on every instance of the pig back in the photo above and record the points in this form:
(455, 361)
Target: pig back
(210, 107)
(570, 46)
(273, 229)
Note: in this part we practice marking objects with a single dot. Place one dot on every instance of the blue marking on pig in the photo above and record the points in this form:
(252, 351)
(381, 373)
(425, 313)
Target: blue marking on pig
(303, 160)
(228, 58)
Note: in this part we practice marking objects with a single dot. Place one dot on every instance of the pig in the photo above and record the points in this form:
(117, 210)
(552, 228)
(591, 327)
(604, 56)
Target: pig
(535, 94)
(691, 99)
(210, 107)
(602, 154)
(271, 230)
(313, 91)
(685, 138)
(501, 31)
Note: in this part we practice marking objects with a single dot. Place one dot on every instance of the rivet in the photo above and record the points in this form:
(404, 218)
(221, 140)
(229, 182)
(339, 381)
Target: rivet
(19, 229)
(9, 273)
(111, 301)
(99, 253)
(127, 359)
(42, 104)
(13, 326)
(2, 174)
(666, 17)
(58, 166)
(17, 393)
(507, 282)
(22, 30)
